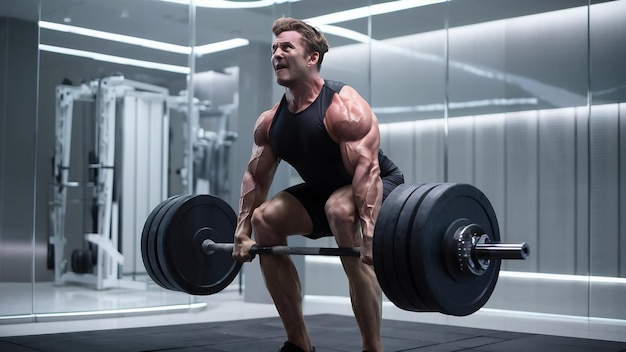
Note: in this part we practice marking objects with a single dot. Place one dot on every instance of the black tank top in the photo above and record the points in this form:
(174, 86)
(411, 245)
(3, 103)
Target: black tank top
(301, 140)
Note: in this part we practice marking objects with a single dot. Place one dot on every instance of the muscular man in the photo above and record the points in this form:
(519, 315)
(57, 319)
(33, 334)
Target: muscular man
(328, 133)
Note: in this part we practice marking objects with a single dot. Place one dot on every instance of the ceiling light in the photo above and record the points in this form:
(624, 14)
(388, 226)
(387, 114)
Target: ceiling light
(224, 4)
(344, 32)
(366, 11)
(220, 46)
(115, 59)
(152, 44)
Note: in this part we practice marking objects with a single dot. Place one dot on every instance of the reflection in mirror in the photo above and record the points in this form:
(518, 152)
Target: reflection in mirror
(113, 76)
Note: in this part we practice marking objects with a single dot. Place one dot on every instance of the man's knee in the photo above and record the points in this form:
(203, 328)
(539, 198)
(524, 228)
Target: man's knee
(340, 212)
(341, 215)
(264, 224)
(258, 217)
(274, 220)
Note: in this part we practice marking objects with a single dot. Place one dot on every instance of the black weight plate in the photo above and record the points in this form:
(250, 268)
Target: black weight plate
(158, 276)
(402, 250)
(180, 245)
(154, 242)
(441, 207)
(157, 241)
(150, 243)
(383, 245)
(144, 239)
(76, 262)
(87, 259)
(81, 261)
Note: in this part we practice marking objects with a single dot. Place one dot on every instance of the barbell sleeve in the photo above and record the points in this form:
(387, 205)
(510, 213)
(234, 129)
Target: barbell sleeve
(502, 250)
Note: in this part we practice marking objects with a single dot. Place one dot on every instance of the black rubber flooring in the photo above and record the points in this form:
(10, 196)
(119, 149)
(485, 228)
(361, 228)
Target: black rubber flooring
(329, 333)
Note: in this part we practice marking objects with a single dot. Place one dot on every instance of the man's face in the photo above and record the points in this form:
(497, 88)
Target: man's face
(289, 58)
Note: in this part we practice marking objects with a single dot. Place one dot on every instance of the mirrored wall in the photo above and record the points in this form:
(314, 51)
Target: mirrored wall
(112, 84)
(112, 106)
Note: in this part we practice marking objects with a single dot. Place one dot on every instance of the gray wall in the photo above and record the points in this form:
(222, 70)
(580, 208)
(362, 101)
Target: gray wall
(18, 126)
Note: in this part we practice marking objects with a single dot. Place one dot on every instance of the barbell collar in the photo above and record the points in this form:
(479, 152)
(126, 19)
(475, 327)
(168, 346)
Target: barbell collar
(208, 247)
(469, 251)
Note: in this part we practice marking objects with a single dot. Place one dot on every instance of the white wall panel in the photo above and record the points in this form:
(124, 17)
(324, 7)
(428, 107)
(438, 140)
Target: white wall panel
(490, 159)
(582, 191)
(461, 149)
(622, 189)
(532, 166)
(429, 148)
(557, 191)
(400, 147)
(519, 222)
(604, 180)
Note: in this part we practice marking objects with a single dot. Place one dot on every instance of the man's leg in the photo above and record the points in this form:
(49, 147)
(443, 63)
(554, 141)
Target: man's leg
(272, 222)
(365, 292)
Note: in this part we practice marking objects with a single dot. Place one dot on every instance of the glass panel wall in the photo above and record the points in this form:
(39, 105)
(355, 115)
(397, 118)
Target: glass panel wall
(517, 87)
(109, 87)
(497, 94)
(408, 83)
(607, 160)
(233, 81)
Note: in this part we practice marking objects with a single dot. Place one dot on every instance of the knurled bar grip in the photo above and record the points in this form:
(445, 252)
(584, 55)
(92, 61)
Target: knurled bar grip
(482, 250)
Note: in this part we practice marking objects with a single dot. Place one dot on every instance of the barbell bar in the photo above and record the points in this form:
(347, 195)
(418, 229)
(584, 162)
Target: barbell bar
(209, 247)
(436, 247)
(483, 250)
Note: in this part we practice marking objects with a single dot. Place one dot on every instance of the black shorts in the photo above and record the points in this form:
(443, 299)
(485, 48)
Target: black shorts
(314, 204)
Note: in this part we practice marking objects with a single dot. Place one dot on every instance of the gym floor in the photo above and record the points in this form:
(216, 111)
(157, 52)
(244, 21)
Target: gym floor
(330, 320)
(329, 333)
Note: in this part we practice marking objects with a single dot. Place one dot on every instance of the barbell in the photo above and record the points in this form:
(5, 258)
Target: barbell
(436, 247)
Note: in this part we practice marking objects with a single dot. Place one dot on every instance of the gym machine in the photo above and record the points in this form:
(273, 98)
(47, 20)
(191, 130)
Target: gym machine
(138, 115)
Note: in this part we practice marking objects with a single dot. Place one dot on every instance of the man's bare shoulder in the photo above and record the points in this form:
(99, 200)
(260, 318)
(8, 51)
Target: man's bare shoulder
(262, 126)
(349, 116)
(349, 94)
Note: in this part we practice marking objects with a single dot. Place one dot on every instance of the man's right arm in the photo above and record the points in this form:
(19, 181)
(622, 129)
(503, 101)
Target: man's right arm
(255, 185)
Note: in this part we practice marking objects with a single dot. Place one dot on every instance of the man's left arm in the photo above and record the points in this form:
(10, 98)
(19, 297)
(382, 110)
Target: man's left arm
(367, 188)
(356, 129)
